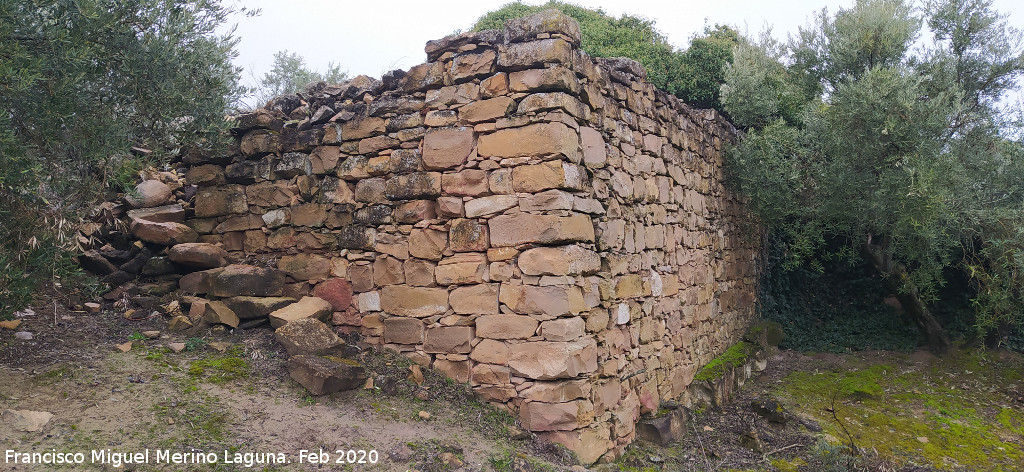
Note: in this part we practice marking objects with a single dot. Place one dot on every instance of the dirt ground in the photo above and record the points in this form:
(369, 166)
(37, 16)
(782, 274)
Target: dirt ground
(229, 394)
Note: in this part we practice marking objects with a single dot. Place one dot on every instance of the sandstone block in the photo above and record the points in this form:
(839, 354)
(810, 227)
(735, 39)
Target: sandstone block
(594, 153)
(415, 211)
(547, 101)
(469, 65)
(548, 175)
(427, 243)
(562, 260)
(466, 235)
(536, 140)
(550, 301)
(399, 330)
(413, 186)
(469, 182)
(291, 164)
(235, 280)
(538, 416)
(448, 340)
(161, 214)
(490, 351)
(551, 79)
(304, 266)
(219, 201)
(462, 268)
(445, 148)
(269, 194)
(417, 302)
(589, 444)
(494, 85)
(388, 271)
(337, 292)
(505, 326)
(545, 360)
(419, 272)
(324, 375)
(481, 299)
(203, 255)
(563, 329)
(455, 370)
(357, 237)
(449, 207)
(335, 190)
(309, 336)
(513, 230)
(360, 128)
(534, 54)
(167, 234)
(484, 206)
(248, 308)
(487, 110)
(548, 22)
(216, 312)
(307, 307)
(371, 190)
(548, 200)
(491, 374)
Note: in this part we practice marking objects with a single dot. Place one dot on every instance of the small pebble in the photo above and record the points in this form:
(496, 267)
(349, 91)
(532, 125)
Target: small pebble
(23, 335)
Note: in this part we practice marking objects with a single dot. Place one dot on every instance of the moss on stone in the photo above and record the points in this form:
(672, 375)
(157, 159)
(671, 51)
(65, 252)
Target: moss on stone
(735, 356)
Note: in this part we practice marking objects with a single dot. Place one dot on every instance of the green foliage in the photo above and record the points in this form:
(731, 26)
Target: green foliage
(195, 344)
(853, 137)
(694, 75)
(290, 75)
(81, 83)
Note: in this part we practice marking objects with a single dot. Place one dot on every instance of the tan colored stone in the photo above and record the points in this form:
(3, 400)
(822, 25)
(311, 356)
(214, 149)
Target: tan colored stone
(419, 272)
(307, 307)
(594, 153)
(269, 194)
(309, 336)
(371, 190)
(415, 186)
(206, 256)
(547, 23)
(256, 307)
(536, 140)
(479, 299)
(545, 360)
(445, 148)
(484, 206)
(448, 340)
(467, 235)
(494, 85)
(548, 200)
(563, 329)
(468, 65)
(400, 330)
(551, 79)
(305, 266)
(513, 230)
(589, 443)
(167, 234)
(161, 214)
(551, 301)
(222, 200)
(534, 54)
(148, 194)
(417, 302)
(487, 110)
(558, 392)
(462, 268)
(469, 182)
(561, 260)
(629, 286)
(360, 128)
(500, 181)
(325, 375)
(491, 374)
(416, 211)
(388, 271)
(490, 351)
(449, 207)
(547, 175)
(427, 243)
(539, 102)
(456, 370)
(441, 118)
(215, 312)
(506, 326)
(539, 416)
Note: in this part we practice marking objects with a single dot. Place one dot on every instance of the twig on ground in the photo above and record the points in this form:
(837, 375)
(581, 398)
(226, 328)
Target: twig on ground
(702, 451)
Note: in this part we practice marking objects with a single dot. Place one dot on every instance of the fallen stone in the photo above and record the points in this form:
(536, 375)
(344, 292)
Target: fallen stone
(203, 255)
(309, 336)
(166, 234)
(538, 416)
(10, 324)
(217, 312)
(663, 430)
(179, 323)
(124, 347)
(152, 334)
(149, 193)
(176, 347)
(92, 307)
(248, 308)
(94, 262)
(307, 307)
(325, 375)
(25, 420)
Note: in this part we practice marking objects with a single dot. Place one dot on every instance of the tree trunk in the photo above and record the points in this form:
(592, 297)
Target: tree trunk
(895, 275)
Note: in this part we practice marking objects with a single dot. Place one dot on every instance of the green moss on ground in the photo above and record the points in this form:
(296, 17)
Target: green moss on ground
(953, 415)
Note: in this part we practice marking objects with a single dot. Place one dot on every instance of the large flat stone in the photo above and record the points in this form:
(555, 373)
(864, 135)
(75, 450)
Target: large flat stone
(545, 360)
(307, 307)
(522, 228)
(536, 140)
(416, 302)
(325, 375)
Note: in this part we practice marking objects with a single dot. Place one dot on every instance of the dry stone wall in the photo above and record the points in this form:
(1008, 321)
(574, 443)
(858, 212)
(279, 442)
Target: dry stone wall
(546, 226)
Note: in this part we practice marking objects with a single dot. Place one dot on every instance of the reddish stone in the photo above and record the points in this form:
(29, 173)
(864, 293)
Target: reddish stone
(337, 291)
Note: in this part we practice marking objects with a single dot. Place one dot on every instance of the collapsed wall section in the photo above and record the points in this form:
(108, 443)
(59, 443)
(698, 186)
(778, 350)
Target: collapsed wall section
(548, 227)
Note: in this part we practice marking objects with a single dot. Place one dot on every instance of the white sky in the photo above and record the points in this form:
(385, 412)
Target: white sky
(374, 37)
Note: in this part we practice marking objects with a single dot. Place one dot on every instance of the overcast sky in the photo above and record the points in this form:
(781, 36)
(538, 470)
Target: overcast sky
(374, 37)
